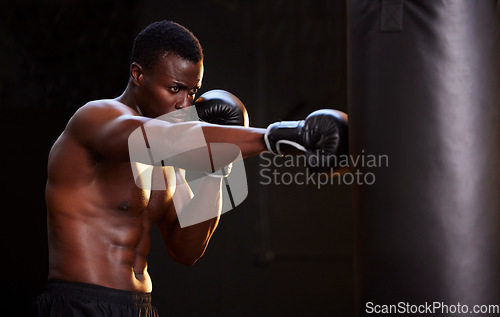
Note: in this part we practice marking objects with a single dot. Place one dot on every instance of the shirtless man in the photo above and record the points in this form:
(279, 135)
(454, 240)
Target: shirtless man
(99, 220)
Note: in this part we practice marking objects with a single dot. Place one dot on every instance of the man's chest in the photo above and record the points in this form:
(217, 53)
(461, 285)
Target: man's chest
(139, 190)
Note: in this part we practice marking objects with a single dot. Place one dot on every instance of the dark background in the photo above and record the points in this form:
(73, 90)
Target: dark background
(287, 250)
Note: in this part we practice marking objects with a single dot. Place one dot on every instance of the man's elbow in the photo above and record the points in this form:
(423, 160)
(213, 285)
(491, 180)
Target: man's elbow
(188, 260)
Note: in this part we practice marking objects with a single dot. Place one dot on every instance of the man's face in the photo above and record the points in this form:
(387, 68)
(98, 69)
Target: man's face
(171, 85)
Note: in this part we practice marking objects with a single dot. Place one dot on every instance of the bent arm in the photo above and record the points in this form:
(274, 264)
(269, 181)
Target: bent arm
(184, 235)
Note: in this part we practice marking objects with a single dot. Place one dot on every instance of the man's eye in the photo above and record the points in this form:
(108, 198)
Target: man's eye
(175, 88)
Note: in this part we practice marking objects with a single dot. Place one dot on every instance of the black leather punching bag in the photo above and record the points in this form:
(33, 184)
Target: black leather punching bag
(424, 92)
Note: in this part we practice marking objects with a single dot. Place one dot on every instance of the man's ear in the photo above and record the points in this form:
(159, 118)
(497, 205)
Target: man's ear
(137, 73)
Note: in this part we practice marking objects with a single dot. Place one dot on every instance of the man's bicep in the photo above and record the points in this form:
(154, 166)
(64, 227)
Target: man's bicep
(112, 138)
(167, 225)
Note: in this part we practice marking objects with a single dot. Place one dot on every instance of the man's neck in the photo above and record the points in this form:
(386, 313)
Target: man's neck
(128, 98)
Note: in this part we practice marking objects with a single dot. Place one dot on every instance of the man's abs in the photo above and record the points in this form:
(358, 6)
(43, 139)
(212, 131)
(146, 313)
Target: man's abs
(112, 257)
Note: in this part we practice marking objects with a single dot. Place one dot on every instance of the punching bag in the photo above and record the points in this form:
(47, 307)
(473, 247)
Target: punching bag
(424, 94)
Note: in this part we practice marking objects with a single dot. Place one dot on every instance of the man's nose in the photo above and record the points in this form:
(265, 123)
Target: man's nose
(185, 101)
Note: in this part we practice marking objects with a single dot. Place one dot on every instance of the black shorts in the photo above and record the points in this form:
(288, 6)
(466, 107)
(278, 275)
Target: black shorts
(62, 298)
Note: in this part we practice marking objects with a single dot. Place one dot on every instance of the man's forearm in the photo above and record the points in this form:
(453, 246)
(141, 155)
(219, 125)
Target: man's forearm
(249, 140)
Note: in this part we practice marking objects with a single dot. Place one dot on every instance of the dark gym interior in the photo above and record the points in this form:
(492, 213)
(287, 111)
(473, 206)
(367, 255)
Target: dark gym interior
(419, 80)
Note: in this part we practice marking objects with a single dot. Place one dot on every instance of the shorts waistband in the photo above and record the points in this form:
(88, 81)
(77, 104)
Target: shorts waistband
(97, 292)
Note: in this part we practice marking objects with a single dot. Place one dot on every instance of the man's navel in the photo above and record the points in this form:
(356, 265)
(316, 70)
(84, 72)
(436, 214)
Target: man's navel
(124, 205)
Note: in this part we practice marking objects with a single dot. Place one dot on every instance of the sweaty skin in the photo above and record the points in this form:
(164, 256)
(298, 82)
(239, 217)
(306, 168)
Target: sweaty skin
(99, 221)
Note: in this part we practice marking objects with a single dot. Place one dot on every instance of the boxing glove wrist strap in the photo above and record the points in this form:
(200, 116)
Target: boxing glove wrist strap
(285, 137)
(221, 173)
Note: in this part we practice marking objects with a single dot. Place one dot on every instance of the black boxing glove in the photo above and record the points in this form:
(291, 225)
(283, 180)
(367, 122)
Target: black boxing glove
(224, 108)
(322, 137)
(221, 107)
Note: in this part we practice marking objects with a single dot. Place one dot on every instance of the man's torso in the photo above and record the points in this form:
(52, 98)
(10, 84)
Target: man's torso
(99, 220)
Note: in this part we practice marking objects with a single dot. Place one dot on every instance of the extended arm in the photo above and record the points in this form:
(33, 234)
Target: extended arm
(106, 128)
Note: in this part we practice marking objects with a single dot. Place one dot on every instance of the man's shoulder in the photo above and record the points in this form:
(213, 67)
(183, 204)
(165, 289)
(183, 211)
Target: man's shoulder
(93, 116)
(99, 112)
(105, 106)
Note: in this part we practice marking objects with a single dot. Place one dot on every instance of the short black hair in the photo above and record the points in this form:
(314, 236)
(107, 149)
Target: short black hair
(161, 37)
